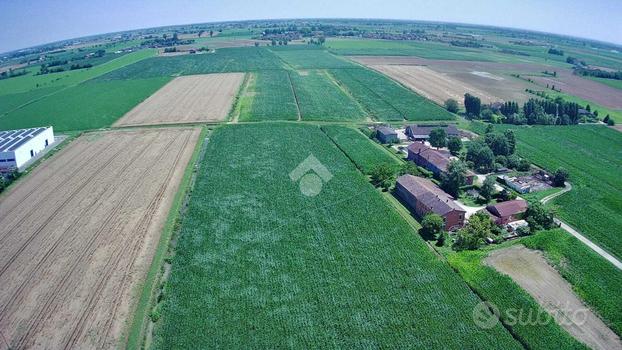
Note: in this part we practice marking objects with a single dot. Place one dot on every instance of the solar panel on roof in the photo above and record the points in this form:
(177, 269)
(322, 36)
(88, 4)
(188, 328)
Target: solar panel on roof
(21, 142)
(4, 142)
(6, 146)
(37, 132)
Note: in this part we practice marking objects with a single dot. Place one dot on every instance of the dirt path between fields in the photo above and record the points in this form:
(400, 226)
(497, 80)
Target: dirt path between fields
(530, 270)
(77, 236)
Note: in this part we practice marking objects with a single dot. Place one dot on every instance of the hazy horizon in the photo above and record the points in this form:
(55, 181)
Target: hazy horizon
(33, 23)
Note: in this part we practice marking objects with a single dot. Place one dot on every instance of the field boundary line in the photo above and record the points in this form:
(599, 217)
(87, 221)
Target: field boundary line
(343, 89)
(291, 84)
(234, 112)
(135, 332)
(402, 114)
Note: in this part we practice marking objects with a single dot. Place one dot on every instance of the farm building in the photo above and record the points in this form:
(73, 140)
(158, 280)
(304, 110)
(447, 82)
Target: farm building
(425, 197)
(506, 212)
(422, 132)
(19, 146)
(434, 160)
(386, 134)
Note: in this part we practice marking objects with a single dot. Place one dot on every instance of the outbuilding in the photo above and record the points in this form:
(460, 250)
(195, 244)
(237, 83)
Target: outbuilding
(506, 212)
(17, 147)
(386, 134)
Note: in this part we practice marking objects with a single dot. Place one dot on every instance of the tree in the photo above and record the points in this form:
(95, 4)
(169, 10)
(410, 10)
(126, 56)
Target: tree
(472, 104)
(452, 105)
(489, 129)
(560, 177)
(409, 168)
(511, 139)
(438, 137)
(488, 188)
(538, 217)
(498, 143)
(523, 165)
(474, 233)
(454, 177)
(480, 154)
(431, 226)
(382, 176)
(611, 122)
(454, 144)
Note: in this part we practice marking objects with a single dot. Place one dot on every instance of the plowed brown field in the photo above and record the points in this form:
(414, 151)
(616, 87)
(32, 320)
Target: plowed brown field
(78, 234)
(188, 99)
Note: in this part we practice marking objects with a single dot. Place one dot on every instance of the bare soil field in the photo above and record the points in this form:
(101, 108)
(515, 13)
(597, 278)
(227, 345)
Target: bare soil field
(431, 84)
(187, 99)
(490, 78)
(586, 89)
(530, 270)
(78, 235)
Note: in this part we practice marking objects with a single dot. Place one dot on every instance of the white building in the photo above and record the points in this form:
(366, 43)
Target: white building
(19, 146)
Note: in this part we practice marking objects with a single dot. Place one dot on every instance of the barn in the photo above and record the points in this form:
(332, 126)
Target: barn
(17, 147)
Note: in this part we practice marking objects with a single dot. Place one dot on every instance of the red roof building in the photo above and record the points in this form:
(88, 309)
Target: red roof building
(509, 211)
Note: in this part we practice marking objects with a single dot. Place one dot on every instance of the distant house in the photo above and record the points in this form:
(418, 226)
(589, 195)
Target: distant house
(422, 132)
(509, 211)
(584, 112)
(424, 197)
(386, 134)
(434, 160)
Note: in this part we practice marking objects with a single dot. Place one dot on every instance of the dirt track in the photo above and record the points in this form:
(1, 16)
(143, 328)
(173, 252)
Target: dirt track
(187, 99)
(78, 234)
(530, 270)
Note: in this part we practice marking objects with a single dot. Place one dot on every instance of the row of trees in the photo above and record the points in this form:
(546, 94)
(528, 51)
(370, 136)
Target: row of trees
(535, 111)
(599, 73)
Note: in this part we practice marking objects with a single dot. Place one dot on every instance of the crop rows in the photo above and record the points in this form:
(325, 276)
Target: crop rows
(260, 265)
(591, 154)
(363, 152)
(241, 59)
(319, 98)
(386, 99)
(311, 59)
(270, 97)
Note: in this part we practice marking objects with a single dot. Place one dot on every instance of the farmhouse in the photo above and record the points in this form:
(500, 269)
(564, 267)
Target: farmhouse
(422, 132)
(386, 134)
(19, 146)
(506, 212)
(434, 160)
(425, 197)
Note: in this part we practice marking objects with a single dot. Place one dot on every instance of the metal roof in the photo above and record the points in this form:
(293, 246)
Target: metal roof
(11, 140)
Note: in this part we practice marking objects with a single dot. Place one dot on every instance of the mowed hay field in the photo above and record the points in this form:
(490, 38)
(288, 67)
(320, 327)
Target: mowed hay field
(260, 265)
(188, 99)
(78, 234)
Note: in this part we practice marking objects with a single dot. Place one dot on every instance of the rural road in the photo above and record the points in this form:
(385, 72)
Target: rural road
(600, 251)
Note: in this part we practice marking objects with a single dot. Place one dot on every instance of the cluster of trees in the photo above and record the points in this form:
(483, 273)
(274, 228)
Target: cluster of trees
(170, 49)
(384, 176)
(481, 227)
(599, 73)
(546, 111)
(466, 43)
(472, 104)
(11, 73)
(554, 51)
(575, 61)
(433, 228)
(452, 105)
(494, 150)
(608, 120)
(80, 66)
(165, 41)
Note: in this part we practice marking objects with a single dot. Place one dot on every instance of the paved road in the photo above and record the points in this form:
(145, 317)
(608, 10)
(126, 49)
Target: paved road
(600, 251)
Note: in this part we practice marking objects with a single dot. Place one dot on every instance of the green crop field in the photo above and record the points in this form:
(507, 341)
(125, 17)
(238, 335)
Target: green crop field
(90, 105)
(269, 97)
(241, 59)
(69, 78)
(595, 280)
(260, 265)
(319, 98)
(312, 59)
(611, 82)
(510, 298)
(592, 156)
(387, 100)
(364, 153)
(9, 102)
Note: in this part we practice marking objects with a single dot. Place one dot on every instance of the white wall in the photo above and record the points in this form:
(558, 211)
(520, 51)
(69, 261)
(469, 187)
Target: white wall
(22, 154)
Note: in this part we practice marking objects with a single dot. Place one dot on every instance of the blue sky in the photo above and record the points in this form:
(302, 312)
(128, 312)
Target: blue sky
(26, 22)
